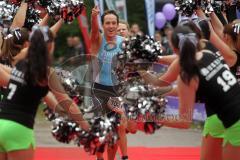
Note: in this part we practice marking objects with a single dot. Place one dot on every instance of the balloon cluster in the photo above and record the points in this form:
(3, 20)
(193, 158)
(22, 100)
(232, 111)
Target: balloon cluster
(168, 13)
(67, 9)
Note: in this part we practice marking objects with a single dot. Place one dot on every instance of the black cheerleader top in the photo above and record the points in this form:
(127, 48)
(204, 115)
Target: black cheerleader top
(21, 100)
(199, 98)
(219, 88)
(236, 68)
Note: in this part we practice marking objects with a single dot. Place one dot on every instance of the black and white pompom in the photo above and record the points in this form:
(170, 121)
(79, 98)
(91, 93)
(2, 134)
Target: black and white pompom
(138, 53)
(141, 47)
(187, 7)
(143, 104)
(7, 13)
(70, 84)
(66, 9)
(103, 131)
(32, 17)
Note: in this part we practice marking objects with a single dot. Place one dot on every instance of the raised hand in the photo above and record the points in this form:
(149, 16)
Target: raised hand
(95, 11)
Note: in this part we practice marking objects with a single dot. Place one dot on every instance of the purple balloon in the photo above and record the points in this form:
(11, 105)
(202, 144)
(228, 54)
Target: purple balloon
(169, 11)
(160, 20)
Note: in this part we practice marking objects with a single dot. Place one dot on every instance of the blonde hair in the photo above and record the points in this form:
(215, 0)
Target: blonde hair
(126, 23)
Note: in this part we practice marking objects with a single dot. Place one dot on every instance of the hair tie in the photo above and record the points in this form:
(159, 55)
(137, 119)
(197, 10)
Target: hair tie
(183, 37)
(8, 36)
(236, 28)
(17, 33)
(44, 30)
(6, 32)
(183, 20)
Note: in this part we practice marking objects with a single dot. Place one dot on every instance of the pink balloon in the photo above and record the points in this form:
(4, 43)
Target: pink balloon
(169, 11)
(160, 20)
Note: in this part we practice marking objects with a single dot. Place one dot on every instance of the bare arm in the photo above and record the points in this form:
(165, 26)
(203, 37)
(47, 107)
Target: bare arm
(167, 60)
(56, 27)
(186, 103)
(200, 13)
(166, 79)
(44, 21)
(20, 16)
(5, 76)
(65, 101)
(228, 54)
(7, 69)
(172, 92)
(20, 56)
(216, 23)
(95, 34)
(52, 103)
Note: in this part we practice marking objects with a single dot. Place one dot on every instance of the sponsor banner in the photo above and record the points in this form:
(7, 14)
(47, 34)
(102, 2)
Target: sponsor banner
(150, 12)
(199, 113)
(119, 6)
(99, 3)
(83, 25)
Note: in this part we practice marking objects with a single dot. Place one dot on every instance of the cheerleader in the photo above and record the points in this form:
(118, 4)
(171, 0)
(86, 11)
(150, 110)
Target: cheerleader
(203, 74)
(29, 81)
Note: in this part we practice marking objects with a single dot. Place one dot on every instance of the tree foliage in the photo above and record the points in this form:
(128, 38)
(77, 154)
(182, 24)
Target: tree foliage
(136, 13)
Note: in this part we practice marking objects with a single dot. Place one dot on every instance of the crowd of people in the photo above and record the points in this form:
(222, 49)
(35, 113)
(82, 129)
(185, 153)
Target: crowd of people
(202, 58)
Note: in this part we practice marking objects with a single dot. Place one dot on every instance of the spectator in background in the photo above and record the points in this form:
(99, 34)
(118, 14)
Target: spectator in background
(1, 27)
(167, 39)
(135, 30)
(70, 49)
(77, 45)
(158, 36)
(74, 48)
(123, 29)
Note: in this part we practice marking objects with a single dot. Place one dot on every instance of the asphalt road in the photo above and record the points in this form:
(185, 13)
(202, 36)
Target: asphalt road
(162, 138)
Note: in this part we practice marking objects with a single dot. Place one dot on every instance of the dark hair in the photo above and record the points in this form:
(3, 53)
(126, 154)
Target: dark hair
(204, 26)
(38, 55)
(13, 43)
(229, 29)
(187, 60)
(194, 28)
(107, 12)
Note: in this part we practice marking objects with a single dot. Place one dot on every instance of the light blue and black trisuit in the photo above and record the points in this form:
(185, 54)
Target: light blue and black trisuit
(106, 82)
